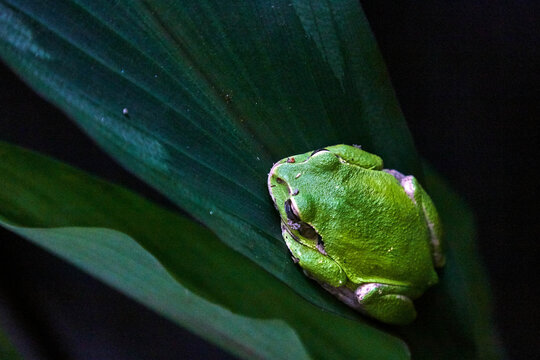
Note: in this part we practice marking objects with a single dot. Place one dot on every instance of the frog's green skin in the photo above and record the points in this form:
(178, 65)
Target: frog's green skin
(369, 235)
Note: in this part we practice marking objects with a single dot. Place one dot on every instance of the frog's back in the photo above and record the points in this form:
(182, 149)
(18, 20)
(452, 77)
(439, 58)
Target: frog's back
(384, 235)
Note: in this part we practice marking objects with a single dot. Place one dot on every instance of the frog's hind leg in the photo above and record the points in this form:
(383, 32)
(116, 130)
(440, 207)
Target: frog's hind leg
(418, 195)
(434, 226)
(388, 303)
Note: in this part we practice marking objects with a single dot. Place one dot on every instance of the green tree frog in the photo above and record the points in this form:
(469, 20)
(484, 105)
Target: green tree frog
(370, 236)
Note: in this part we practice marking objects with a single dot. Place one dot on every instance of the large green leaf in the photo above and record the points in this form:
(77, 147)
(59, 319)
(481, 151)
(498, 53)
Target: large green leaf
(454, 319)
(172, 265)
(215, 92)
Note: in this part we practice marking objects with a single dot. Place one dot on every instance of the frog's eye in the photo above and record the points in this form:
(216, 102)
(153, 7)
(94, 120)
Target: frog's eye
(290, 210)
(303, 228)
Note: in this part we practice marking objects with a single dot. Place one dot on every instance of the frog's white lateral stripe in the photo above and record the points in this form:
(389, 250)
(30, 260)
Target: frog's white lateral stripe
(364, 290)
(343, 294)
(438, 257)
(269, 182)
(407, 183)
(394, 173)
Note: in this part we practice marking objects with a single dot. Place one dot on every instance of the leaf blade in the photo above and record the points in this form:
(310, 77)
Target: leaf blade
(213, 93)
(172, 265)
(8, 350)
(225, 171)
(118, 261)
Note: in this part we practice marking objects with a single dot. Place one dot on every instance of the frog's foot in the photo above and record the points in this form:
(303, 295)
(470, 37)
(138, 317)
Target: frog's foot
(315, 264)
(391, 304)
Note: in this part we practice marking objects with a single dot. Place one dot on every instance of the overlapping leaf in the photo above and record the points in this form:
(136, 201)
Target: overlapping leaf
(209, 288)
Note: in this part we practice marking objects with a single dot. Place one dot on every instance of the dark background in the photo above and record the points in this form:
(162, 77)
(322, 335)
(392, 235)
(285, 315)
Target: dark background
(466, 75)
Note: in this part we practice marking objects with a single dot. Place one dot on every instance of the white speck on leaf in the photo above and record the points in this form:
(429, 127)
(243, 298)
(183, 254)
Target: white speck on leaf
(140, 144)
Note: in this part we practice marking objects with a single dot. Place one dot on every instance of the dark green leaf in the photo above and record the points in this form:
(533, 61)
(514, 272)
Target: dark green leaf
(455, 315)
(214, 93)
(7, 350)
(135, 246)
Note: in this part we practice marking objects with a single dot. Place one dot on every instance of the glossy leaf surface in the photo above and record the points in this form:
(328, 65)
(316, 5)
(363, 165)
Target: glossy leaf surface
(198, 98)
(172, 265)
(213, 93)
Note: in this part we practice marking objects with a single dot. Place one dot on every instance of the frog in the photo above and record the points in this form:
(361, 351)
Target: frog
(368, 235)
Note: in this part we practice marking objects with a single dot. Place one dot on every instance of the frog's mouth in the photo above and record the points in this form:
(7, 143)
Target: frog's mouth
(300, 229)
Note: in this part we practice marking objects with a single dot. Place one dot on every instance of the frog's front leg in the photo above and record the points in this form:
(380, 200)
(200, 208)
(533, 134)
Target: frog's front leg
(356, 156)
(317, 265)
(388, 303)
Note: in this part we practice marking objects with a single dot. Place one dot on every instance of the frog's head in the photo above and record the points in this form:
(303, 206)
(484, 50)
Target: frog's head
(289, 186)
(305, 187)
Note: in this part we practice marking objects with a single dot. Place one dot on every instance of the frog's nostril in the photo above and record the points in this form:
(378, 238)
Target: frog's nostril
(280, 180)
